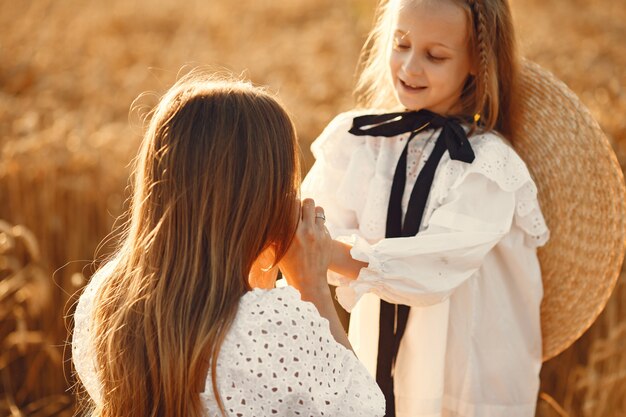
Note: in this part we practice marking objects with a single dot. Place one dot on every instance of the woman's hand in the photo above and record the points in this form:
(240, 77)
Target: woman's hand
(306, 261)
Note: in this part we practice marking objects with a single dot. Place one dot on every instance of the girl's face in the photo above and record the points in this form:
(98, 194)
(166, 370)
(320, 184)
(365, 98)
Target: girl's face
(430, 57)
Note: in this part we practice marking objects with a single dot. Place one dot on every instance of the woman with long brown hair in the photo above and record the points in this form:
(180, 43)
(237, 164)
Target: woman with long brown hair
(183, 320)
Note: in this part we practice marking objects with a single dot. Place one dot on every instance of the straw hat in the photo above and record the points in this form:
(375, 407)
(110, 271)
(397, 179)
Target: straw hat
(582, 196)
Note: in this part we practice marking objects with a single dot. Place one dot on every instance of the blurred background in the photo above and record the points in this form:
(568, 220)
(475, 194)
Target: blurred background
(69, 71)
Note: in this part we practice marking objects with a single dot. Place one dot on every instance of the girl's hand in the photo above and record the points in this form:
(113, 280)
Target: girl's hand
(306, 262)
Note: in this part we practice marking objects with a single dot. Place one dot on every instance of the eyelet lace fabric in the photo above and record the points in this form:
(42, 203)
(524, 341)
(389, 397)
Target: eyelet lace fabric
(278, 358)
(498, 162)
(83, 352)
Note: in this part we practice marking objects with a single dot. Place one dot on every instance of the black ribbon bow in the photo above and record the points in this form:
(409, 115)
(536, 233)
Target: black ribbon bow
(393, 124)
(453, 139)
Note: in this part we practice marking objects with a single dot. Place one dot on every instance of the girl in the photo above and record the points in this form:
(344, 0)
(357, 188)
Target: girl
(176, 324)
(435, 216)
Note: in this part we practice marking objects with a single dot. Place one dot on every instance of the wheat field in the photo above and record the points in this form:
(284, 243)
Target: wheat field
(69, 71)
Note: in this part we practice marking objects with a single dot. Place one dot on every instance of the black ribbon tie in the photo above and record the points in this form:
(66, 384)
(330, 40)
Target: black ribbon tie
(453, 139)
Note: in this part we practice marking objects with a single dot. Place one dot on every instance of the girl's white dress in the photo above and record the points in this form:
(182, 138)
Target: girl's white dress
(472, 345)
(278, 358)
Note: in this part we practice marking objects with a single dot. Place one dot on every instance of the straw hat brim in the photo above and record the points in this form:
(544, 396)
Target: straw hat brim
(583, 199)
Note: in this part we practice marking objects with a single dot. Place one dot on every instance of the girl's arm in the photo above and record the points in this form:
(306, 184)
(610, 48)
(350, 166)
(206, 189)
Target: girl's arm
(425, 269)
(342, 261)
(476, 207)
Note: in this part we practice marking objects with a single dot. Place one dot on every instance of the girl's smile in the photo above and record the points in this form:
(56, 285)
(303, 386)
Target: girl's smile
(411, 87)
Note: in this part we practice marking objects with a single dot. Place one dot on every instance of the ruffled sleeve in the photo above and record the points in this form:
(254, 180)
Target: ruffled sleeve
(476, 205)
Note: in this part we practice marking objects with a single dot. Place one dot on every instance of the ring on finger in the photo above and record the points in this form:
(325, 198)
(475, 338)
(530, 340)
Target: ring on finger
(320, 216)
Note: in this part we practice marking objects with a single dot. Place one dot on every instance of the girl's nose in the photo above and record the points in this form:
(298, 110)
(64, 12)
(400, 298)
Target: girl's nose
(412, 65)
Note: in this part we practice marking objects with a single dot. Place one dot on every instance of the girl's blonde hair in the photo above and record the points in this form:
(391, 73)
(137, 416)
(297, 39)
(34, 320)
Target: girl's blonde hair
(216, 182)
(494, 54)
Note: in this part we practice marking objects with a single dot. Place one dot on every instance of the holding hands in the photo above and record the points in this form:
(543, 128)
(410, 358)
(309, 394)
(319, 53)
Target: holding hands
(307, 260)
(306, 263)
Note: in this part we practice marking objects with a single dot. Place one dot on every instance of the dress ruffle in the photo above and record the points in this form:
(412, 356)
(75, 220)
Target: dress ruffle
(498, 162)
(350, 164)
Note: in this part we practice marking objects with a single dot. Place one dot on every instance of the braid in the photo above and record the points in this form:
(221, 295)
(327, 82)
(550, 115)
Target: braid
(482, 40)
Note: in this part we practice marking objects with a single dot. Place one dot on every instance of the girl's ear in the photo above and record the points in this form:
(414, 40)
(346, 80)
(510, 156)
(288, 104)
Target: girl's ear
(473, 67)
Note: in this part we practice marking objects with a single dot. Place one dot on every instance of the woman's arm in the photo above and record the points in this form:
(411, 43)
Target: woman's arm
(305, 265)
(321, 298)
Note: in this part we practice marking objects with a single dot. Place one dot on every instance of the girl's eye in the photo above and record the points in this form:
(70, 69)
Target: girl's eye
(398, 45)
(436, 58)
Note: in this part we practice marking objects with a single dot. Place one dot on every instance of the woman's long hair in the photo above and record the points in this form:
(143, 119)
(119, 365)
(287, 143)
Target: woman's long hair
(216, 182)
(493, 49)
